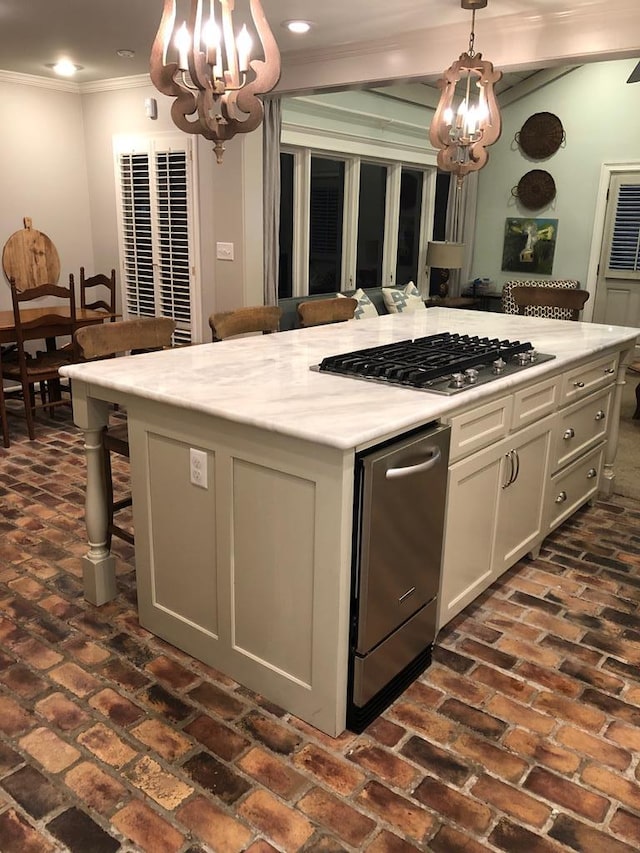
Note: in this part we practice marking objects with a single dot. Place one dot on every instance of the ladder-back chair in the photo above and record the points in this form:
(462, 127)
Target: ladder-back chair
(41, 325)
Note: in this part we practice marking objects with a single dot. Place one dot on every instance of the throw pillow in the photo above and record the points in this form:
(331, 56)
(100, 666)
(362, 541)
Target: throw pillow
(365, 307)
(400, 300)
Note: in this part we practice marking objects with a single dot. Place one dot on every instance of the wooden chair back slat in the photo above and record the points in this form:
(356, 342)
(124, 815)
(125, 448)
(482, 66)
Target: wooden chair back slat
(550, 297)
(140, 335)
(99, 280)
(259, 318)
(318, 312)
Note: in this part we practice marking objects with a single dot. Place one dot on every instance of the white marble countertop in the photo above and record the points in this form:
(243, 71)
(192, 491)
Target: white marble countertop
(265, 380)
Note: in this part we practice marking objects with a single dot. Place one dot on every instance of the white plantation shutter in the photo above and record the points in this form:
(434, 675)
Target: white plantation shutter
(624, 249)
(154, 177)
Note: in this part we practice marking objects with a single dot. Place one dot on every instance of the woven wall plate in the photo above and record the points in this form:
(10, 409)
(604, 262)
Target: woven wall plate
(541, 135)
(535, 189)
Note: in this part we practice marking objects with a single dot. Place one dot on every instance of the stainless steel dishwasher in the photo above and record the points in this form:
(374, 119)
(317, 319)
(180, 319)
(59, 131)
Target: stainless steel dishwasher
(397, 555)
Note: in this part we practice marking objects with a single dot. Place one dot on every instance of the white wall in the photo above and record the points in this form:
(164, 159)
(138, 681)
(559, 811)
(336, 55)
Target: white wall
(44, 173)
(61, 175)
(600, 114)
(227, 194)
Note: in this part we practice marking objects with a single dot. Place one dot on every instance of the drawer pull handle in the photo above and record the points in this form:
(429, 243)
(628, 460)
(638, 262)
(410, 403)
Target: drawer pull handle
(578, 384)
(600, 415)
(610, 370)
(591, 473)
(512, 469)
(561, 498)
(407, 594)
(569, 433)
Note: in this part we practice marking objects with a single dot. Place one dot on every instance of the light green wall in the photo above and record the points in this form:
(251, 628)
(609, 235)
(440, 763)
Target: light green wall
(600, 114)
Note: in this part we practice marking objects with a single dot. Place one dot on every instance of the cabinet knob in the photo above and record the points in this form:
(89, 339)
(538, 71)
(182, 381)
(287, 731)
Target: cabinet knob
(591, 473)
(600, 415)
(569, 433)
(578, 384)
(561, 498)
(610, 370)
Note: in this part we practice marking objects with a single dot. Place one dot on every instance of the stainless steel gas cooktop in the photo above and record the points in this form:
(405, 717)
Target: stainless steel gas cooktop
(447, 363)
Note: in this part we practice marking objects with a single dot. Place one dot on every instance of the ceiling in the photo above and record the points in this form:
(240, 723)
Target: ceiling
(90, 32)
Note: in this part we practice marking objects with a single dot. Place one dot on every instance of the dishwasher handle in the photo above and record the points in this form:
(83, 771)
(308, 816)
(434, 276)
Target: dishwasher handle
(434, 458)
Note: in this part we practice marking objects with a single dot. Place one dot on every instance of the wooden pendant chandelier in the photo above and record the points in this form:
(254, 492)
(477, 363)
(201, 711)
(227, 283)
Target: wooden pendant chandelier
(214, 79)
(467, 119)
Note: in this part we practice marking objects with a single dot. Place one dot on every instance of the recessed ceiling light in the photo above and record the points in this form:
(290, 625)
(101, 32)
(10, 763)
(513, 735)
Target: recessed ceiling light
(125, 53)
(64, 67)
(298, 26)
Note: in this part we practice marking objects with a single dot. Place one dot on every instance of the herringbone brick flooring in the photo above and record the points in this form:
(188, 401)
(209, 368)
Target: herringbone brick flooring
(523, 736)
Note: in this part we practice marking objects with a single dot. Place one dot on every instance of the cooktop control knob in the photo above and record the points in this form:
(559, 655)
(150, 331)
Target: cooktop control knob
(498, 366)
(533, 355)
(471, 376)
(457, 380)
(522, 358)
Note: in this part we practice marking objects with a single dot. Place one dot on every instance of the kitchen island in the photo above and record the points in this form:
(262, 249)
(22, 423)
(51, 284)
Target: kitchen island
(252, 574)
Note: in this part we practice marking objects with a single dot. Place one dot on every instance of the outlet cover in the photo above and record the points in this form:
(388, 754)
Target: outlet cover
(198, 468)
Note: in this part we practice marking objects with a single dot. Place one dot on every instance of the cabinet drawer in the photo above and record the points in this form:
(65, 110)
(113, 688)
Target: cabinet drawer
(574, 486)
(534, 402)
(580, 426)
(480, 427)
(583, 380)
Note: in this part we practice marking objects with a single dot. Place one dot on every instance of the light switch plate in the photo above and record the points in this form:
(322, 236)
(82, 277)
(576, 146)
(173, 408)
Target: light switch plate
(224, 251)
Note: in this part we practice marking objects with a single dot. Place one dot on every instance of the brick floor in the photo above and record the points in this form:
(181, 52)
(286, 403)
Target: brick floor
(524, 734)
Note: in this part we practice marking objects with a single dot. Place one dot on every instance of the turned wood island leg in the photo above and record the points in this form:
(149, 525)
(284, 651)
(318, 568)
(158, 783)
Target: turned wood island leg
(608, 474)
(98, 565)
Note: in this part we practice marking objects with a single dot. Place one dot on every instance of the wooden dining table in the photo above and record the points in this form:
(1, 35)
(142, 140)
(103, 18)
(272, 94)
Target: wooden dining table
(59, 328)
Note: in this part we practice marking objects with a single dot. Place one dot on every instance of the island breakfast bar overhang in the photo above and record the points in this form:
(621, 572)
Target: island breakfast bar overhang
(253, 573)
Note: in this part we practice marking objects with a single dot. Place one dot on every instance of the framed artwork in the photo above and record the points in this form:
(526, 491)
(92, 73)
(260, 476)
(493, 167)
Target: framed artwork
(529, 245)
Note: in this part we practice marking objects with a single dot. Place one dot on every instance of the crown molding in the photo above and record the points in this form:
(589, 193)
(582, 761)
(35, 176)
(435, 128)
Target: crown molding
(114, 84)
(39, 82)
(110, 85)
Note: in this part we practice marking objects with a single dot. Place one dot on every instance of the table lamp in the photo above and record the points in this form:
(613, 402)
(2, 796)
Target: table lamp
(445, 256)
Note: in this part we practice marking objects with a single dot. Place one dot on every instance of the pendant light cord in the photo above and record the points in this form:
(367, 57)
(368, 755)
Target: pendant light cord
(472, 34)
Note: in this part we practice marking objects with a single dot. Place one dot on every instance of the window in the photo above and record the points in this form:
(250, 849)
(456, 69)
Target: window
(411, 183)
(325, 221)
(372, 199)
(624, 252)
(285, 267)
(348, 222)
(154, 180)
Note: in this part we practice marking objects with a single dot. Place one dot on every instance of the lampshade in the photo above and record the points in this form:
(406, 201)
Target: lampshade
(448, 256)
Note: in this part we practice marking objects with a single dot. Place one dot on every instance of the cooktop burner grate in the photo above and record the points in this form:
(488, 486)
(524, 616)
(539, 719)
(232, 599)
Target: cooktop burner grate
(446, 363)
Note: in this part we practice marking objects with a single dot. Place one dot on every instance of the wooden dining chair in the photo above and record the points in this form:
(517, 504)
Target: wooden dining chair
(318, 312)
(109, 340)
(258, 318)
(569, 300)
(98, 285)
(42, 368)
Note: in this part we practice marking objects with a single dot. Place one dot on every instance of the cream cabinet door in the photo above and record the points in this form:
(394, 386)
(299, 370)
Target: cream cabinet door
(472, 511)
(521, 502)
(495, 514)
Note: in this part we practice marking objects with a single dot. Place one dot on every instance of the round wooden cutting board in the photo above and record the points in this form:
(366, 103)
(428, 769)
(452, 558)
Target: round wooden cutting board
(30, 258)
